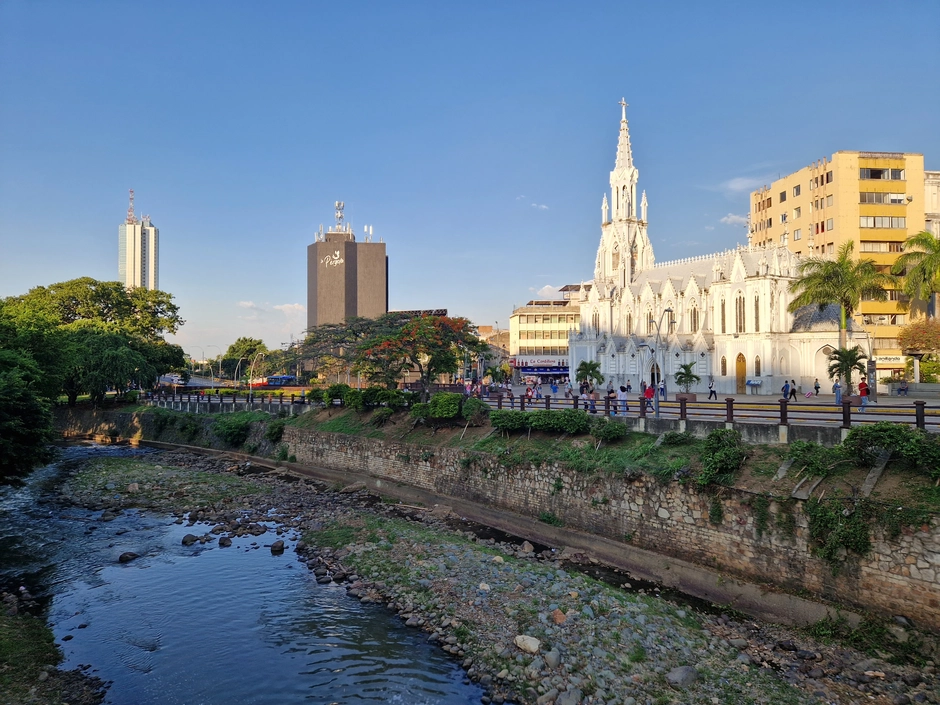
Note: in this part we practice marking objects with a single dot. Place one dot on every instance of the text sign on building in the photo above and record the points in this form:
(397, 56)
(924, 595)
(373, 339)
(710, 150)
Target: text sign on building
(891, 359)
(539, 361)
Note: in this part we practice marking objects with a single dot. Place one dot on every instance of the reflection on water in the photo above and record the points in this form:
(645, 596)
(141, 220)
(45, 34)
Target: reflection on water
(204, 625)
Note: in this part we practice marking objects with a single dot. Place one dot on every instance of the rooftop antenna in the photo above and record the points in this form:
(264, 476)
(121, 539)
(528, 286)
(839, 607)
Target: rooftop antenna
(340, 205)
(131, 218)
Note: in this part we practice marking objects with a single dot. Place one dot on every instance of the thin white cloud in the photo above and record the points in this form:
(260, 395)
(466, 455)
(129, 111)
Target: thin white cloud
(732, 219)
(709, 227)
(741, 184)
(247, 304)
(289, 309)
(520, 198)
(540, 206)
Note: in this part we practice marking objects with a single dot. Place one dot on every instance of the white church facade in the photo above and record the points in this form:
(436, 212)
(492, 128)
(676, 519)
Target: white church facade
(726, 312)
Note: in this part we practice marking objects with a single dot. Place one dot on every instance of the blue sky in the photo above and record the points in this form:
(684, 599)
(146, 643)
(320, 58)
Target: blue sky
(476, 138)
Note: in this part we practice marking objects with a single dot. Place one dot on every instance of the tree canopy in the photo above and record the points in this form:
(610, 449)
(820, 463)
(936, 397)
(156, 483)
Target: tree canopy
(922, 335)
(920, 268)
(843, 281)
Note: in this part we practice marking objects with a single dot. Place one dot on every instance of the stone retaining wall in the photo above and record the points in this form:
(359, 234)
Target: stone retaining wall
(899, 576)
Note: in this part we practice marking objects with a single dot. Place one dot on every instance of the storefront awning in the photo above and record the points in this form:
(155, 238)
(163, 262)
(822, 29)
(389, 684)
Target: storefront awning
(556, 371)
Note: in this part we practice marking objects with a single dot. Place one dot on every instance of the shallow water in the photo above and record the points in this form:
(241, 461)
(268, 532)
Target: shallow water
(203, 625)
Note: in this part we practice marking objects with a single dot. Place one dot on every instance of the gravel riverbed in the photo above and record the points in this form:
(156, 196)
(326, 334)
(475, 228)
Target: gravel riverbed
(525, 624)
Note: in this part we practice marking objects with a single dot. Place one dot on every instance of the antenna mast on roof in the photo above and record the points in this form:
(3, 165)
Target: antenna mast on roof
(131, 218)
(340, 205)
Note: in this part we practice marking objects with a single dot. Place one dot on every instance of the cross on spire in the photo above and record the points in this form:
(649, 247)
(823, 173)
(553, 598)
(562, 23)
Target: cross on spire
(623, 108)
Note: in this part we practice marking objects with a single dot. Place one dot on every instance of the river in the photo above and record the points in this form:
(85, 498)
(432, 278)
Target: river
(203, 625)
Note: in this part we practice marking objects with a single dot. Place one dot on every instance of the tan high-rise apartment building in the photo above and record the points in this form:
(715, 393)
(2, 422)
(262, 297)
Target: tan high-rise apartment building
(874, 199)
(538, 335)
(138, 251)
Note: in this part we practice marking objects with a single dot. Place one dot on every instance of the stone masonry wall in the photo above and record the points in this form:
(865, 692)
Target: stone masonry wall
(899, 576)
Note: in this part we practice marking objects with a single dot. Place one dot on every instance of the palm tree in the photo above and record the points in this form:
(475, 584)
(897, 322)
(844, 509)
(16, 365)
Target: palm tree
(844, 361)
(843, 281)
(686, 377)
(920, 267)
(589, 371)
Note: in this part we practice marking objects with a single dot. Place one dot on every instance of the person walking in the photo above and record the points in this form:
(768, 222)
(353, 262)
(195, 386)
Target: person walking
(863, 393)
(793, 390)
(593, 396)
(785, 389)
(643, 386)
(648, 395)
(816, 386)
(711, 390)
(622, 399)
(837, 390)
(629, 387)
(662, 389)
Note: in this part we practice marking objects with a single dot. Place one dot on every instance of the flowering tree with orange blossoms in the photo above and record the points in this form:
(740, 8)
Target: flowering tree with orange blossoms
(921, 336)
(430, 345)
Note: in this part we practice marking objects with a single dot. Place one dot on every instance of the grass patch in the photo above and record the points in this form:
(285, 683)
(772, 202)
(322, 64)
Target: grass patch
(871, 636)
(26, 645)
(159, 486)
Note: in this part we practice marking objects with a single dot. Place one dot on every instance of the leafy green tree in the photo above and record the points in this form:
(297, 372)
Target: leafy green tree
(589, 371)
(843, 362)
(242, 349)
(843, 281)
(25, 417)
(919, 267)
(102, 358)
(429, 345)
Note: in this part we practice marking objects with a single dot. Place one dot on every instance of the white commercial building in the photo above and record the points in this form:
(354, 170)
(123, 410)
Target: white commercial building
(725, 312)
(138, 251)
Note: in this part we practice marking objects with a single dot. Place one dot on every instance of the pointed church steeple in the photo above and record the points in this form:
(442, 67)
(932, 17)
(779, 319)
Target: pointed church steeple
(624, 153)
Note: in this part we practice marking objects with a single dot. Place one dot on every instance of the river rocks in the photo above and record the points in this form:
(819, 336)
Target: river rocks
(570, 697)
(225, 542)
(526, 547)
(189, 539)
(558, 617)
(127, 557)
(277, 547)
(552, 658)
(354, 487)
(529, 644)
(682, 677)
(133, 487)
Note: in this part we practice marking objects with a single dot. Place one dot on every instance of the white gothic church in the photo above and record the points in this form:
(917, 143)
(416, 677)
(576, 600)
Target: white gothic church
(727, 312)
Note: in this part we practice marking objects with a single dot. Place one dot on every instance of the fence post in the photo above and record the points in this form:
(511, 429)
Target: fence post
(606, 405)
(682, 410)
(499, 401)
(548, 401)
(642, 406)
(846, 414)
(783, 412)
(522, 402)
(729, 409)
(575, 402)
(919, 415)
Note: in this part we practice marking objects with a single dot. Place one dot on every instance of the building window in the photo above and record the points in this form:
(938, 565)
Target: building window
(628, 324)
(830, 248)
(783, 196)
(882, 174)
(797, 234)
(829, 200)
(693, 320)
(829, 224)
(739, 314)
(882, 221)
(797, 212)
(723, 328)
(796, 190)
(650, 323)
(596, 322)
(878, 197)
(757, 366)
(783, 218)
(828, 177)
(757, 314)
(724, 367)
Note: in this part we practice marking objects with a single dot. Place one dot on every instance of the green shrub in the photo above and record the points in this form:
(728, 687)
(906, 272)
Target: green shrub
(354, 399)
(722, 456)
(835, 527)
(335, 391)
(282, 453)
(475, 411)
(544, 420)
(189, 427)
(676, 438)
(549, 518)
(863, 442)
(395, 399)
(162, 420)
(381, 416)
(234, 429)
(508, 420)
(607, 431)
(421, 412)
(275, 430)
(571, 421)
(372, 396)
(445, 406)
(817, 459)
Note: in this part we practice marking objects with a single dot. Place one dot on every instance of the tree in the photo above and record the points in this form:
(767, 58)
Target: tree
(920, 268)
(922, 336)
(686, 376)
(25, 419)
(843, 362)
(429, 345)
(843, 281)
(589, 371)
(242, 349)
(100, 358)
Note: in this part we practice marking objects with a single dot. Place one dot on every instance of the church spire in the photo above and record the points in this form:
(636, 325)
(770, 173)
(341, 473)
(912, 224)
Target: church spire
(624, 153)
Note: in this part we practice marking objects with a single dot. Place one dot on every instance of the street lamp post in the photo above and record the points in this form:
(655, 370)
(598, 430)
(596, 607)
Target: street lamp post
(201, 352)
(238, 366)
(220, 364)
(251, 373)
(662, 366)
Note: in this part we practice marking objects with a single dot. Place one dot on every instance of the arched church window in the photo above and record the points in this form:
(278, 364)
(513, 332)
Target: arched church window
(757, 314)
(615, 258)
(757, 366)
(627, 206)
(724, 328)
(724, 367)
(596, 322)
(628, 324)
(650, 323)
(693, 320)
(739, 314)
